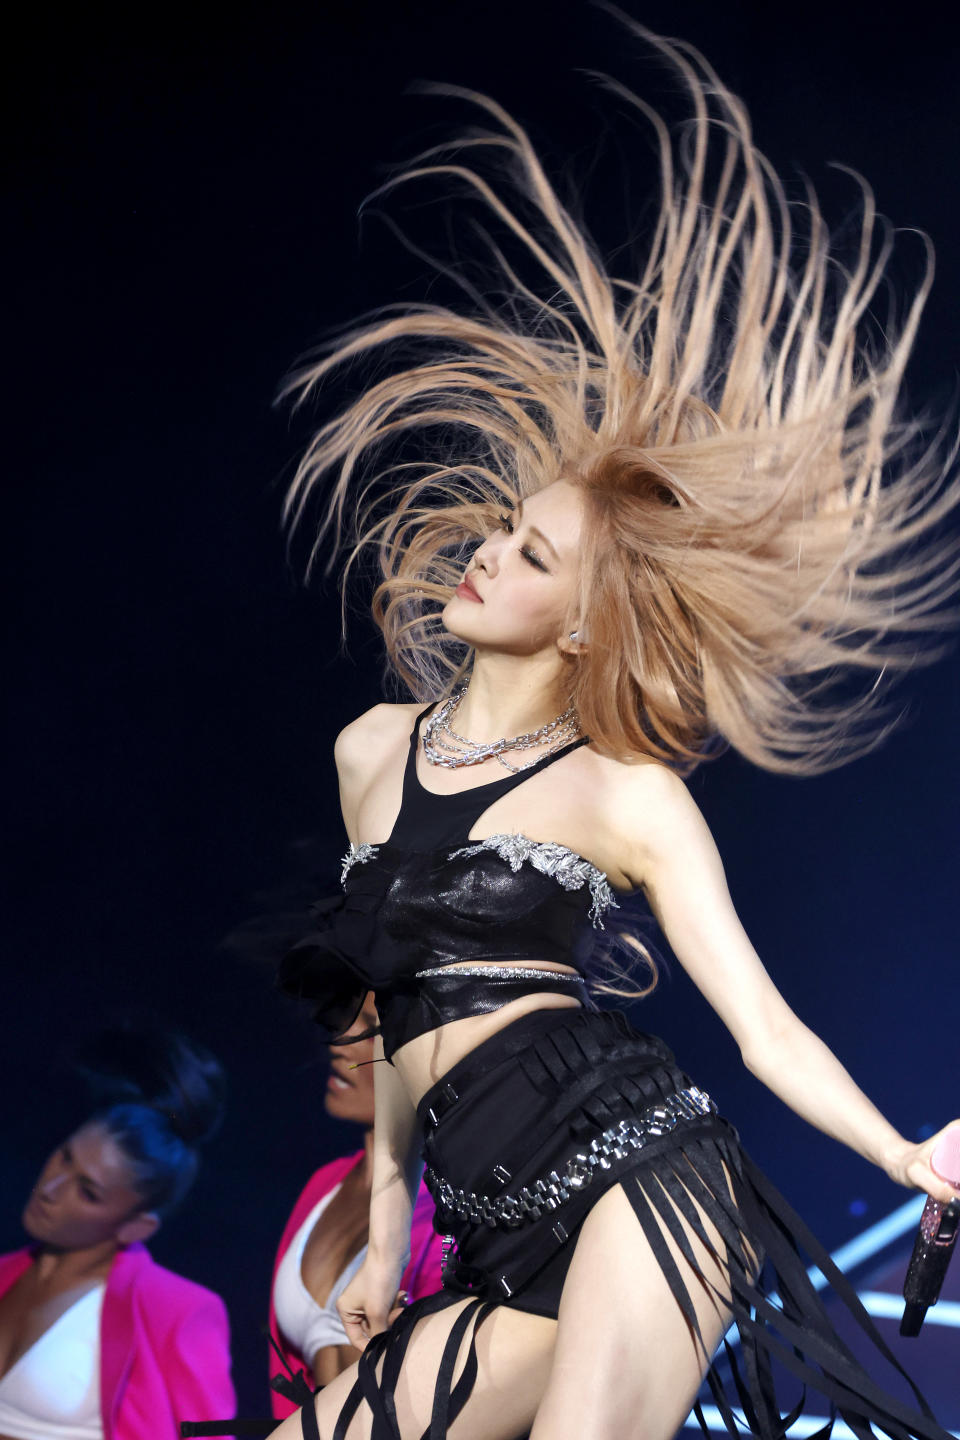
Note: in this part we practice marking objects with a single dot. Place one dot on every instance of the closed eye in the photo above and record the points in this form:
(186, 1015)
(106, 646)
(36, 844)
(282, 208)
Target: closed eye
(529, 554)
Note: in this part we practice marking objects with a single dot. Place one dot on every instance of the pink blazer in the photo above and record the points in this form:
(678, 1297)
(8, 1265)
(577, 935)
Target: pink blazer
(164, 1348)
(421, 1277)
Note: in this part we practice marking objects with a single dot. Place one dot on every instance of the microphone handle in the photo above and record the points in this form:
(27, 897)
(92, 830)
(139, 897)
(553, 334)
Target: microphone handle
(928, 1264)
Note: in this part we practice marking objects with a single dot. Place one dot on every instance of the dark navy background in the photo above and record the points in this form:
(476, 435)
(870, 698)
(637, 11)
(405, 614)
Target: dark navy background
(182, 226)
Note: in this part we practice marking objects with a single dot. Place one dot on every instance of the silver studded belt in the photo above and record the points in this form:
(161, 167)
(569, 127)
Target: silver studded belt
(547, 1195)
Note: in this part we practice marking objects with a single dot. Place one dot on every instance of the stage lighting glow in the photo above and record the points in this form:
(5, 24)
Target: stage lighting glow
(875, 1238)
(806, 1425)
(890, 1307)
(877, 1303)
(862, 1247)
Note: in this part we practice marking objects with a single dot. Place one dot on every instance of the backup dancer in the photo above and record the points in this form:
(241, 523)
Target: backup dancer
(98, 1341)
(650, 515)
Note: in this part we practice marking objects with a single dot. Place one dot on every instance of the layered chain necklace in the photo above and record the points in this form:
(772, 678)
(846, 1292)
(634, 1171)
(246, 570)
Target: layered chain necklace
(443, 746)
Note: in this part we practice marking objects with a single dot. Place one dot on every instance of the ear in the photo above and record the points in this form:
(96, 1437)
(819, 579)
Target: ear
(574, 643)
(139, 1228)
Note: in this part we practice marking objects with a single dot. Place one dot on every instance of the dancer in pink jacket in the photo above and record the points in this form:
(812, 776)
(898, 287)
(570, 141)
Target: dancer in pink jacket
(164, 1348)
(97, 1341)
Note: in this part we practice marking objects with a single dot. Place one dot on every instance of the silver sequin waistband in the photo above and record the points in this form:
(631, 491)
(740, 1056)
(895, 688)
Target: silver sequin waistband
(616, 1143)
(500, 972)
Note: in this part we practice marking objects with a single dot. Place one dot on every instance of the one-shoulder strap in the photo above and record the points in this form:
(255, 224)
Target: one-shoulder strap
(410, 820)
(427, 820)
(418, 720)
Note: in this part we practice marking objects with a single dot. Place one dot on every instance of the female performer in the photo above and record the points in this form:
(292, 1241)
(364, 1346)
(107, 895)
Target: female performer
(627, 520)
(97, 1341)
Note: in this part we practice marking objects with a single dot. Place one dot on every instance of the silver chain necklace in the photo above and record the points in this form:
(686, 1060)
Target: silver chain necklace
(443, 746)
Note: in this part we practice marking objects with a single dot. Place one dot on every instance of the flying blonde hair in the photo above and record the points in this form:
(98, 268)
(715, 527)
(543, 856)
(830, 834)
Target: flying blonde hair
(760, 523)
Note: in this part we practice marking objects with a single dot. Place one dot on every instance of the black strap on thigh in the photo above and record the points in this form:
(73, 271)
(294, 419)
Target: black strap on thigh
(308, 1422)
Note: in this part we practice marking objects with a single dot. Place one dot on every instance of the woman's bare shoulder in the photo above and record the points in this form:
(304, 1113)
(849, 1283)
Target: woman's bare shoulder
(633, 792)
(360, 743)
(645, 812)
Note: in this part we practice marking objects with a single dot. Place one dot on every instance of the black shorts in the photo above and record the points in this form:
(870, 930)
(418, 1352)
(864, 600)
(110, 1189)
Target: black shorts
(556, 1098)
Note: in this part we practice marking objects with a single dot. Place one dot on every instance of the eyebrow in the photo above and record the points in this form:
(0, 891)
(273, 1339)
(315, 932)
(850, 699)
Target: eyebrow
(67, 1150)
(535, 531)
(548, 543)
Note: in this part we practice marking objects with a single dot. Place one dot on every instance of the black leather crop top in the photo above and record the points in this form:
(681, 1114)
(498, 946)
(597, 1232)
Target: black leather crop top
(429, 898)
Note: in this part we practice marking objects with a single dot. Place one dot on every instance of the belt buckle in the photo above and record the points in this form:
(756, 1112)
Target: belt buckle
(447, 1097)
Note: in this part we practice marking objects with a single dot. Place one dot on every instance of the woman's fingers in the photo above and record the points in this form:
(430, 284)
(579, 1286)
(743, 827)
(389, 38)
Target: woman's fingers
(933, 1165)
(922, 1174)
(370, 1303)
(361, 1327)
(355, 1324)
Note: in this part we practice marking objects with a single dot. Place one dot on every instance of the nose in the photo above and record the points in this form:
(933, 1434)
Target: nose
(485, 556)
(51, 1183)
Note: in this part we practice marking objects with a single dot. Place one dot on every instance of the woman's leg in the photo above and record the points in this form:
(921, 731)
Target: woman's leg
(514, 1352)
(627, 1363)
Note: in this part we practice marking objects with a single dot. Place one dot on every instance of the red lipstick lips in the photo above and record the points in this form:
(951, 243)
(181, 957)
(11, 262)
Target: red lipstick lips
(466, 591)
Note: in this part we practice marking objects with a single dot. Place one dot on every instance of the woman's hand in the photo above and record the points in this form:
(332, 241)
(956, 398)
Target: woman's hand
(910, 1165)
(371, 1302)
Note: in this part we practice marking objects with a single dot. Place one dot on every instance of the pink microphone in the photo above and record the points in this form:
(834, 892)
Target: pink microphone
(935, 1240)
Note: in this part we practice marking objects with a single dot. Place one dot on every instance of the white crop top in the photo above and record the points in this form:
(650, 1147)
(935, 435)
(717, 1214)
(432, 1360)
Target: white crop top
(308, 1327)
(53, 1390)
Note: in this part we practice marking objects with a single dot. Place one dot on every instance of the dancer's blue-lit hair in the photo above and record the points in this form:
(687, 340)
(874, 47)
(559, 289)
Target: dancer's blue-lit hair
(160, 1097)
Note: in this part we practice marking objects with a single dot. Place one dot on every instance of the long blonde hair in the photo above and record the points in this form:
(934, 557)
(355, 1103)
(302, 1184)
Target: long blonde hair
(760, 523)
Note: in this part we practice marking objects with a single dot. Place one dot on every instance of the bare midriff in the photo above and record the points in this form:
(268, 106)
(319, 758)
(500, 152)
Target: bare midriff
(423, 1061)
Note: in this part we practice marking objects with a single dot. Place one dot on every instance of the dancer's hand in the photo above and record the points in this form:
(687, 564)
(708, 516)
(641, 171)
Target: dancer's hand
(371, 1302)
(910, 1165)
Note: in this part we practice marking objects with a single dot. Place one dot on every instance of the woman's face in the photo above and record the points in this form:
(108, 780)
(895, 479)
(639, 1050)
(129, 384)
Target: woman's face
(349, 1093)
(85, 1195)
(515, 596)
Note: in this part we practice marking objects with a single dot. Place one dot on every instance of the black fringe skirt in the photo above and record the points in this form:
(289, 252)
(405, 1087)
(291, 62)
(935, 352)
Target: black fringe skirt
(526, 1133)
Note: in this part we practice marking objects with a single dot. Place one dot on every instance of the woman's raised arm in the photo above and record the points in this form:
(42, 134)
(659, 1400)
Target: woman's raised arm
(674, 857)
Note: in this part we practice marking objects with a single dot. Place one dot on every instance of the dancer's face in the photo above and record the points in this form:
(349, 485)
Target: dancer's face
(86, 1195)
(518, 586)
(349, 1094)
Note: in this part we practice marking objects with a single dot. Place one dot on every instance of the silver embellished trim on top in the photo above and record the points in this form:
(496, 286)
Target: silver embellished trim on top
(616, 1143)
(356, 855)
(500, 972)
(565, 866)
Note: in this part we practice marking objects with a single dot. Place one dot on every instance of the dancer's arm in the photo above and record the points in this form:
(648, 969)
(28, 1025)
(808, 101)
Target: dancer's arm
(674, 857)
(397, 1167)
(367, 1303)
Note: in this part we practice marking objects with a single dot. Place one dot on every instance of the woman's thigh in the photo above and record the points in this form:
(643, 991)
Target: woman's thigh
(514, 1352)
(627, 1362)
